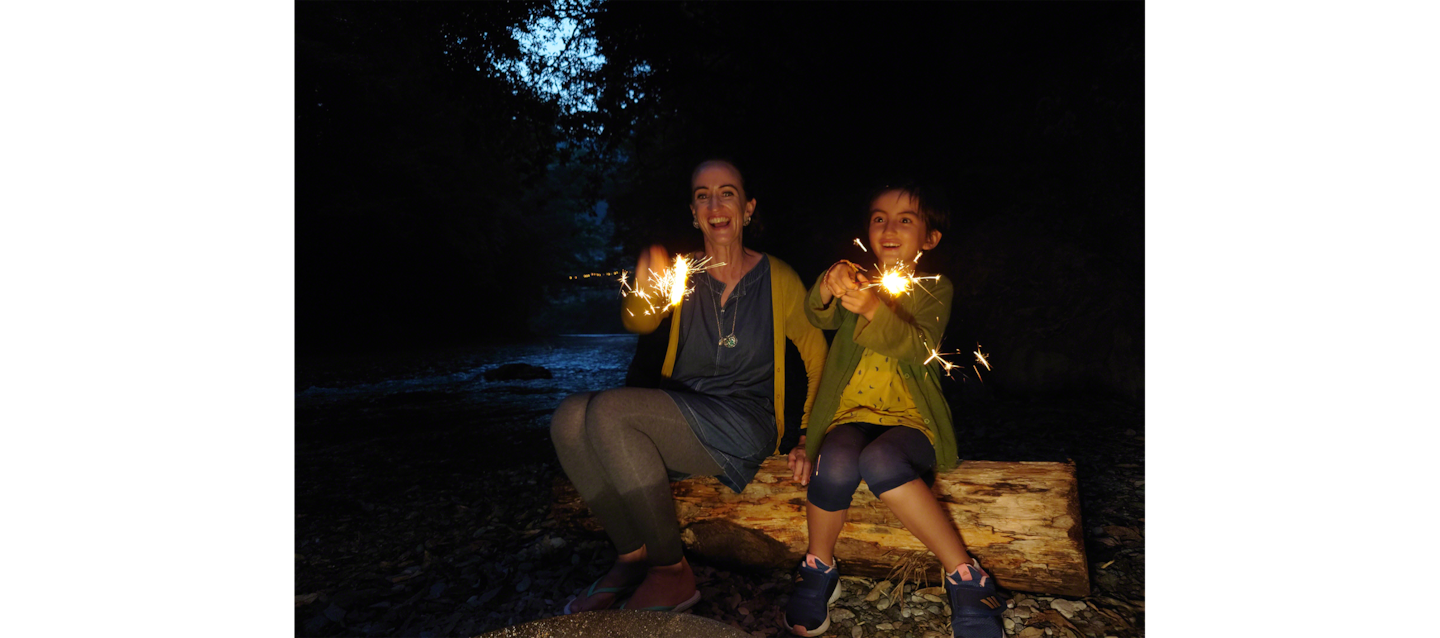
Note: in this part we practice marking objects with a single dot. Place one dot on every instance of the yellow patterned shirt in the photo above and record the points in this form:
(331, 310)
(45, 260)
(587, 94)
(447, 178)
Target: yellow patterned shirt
(877, 394)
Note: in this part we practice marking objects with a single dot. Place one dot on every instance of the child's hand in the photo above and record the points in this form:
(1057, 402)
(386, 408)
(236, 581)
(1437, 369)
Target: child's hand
(839, 280)
(799, 463)
(862, 301)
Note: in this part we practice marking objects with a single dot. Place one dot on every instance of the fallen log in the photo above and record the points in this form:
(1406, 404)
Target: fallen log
(1021, 519)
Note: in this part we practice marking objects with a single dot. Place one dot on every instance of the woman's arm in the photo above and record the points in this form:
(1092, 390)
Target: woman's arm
(804, 331)
(636, 313)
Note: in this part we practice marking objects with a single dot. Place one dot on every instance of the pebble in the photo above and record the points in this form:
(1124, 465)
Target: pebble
(885, 626)
(882, 604)
(1009, 625)
(933, 598)
(856, 632)
(841, 614)
(1067, 608)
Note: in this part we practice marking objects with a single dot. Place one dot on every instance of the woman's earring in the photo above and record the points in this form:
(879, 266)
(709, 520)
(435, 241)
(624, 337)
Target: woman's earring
(695, 222)
(747, 221)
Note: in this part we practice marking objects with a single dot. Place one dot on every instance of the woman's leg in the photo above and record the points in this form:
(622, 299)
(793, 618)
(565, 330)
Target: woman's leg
(891, 466)
(567, 432)
(638, 436)
(591, 481)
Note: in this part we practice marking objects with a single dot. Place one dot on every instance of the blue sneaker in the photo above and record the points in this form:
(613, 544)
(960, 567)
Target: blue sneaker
(816, 586)
(975, 608)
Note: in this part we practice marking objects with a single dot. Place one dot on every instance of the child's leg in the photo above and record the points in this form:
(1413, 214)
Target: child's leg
(834, 478)
(915, 505)
(891, 466)
(824, 528)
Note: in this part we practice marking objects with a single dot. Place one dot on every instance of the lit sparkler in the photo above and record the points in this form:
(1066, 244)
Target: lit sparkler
(947, 366)
(670, 288)
(862, 246)
(899, 278)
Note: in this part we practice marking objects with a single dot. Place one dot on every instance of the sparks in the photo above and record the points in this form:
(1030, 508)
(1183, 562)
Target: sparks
(862, 246)
(899, 279)
(670, 288)
(935, 355)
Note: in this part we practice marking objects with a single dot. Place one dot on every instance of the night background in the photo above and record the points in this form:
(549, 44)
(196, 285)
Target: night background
(459, 168)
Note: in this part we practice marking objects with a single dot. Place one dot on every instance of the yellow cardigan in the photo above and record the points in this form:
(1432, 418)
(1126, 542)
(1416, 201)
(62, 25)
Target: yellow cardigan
(787, 297)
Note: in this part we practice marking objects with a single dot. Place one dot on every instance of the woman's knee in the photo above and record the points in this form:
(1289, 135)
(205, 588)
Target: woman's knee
(567, 424)
(611, 412)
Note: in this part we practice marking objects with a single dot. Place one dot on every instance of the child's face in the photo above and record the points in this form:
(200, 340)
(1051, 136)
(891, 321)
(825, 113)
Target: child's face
(897, 229)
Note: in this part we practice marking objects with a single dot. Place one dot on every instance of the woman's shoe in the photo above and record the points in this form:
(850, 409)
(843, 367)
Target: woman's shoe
(596, 589)
(685, 606)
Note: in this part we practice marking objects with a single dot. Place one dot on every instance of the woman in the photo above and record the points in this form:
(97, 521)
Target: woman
(720, 410)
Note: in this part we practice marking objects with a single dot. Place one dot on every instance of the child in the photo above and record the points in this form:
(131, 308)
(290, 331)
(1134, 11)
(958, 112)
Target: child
(880, 416)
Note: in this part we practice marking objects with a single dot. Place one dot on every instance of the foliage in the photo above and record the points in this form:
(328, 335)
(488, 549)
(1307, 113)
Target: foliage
(436, 193)
(442, 174)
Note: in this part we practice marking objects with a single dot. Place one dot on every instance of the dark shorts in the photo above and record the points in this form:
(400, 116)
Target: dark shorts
(884, 456)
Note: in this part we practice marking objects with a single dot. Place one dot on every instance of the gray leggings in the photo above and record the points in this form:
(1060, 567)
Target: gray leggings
(618, 447)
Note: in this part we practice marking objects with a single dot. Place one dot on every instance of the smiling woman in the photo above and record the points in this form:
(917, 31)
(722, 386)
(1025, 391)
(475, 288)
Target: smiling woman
(719, 410)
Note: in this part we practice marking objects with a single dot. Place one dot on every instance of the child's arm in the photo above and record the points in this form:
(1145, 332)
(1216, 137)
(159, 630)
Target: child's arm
(908, 334)
(839, 279)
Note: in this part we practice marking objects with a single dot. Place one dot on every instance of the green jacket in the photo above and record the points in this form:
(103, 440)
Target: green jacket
(787, 295)
(907, 332)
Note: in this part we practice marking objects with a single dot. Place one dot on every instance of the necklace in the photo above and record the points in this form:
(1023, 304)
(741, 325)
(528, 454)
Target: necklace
(727, 341)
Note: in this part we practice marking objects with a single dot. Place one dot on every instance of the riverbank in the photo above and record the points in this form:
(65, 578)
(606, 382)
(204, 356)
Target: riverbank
(423, 507)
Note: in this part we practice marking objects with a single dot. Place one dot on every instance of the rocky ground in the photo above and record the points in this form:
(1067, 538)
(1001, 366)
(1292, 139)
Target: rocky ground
(423, 508)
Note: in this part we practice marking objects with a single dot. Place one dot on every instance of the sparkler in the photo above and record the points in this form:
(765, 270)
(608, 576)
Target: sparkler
(862, 246)
(670, 288)
(946, 365)
(899, 278)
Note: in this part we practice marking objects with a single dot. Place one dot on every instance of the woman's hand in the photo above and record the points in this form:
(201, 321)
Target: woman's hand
(653, 258)
(799, 463)
(862, 301)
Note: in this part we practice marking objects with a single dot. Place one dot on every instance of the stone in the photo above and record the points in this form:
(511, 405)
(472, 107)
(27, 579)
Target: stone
(517, 372)
(620, 623)
(841, 614)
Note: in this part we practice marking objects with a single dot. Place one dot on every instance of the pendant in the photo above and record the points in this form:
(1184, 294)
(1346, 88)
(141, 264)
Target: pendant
(728, 342)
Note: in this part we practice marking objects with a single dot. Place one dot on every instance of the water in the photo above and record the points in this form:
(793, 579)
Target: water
(428, 387)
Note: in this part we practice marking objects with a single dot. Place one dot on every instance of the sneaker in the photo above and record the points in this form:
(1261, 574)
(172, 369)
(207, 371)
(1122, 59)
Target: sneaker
(975, 608)
(816, 586)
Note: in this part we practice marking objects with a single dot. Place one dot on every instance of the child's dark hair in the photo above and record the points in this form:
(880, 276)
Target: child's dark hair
(929, 200)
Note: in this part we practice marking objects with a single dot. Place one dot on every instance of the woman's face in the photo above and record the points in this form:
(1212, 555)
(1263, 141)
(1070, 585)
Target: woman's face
(717, 200)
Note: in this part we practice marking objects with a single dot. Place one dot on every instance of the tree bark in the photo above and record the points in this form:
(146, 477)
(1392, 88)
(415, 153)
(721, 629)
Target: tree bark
(1021, 519)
